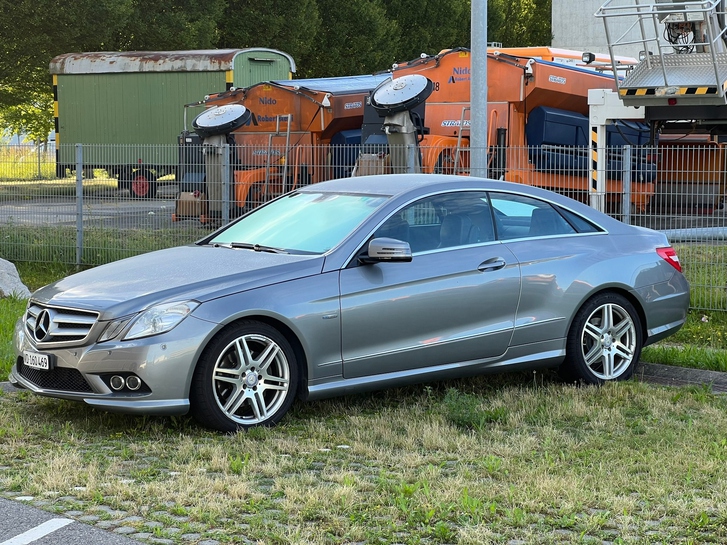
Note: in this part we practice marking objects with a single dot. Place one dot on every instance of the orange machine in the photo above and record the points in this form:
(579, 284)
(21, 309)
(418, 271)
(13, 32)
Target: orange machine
(300, 132)
(537, 117)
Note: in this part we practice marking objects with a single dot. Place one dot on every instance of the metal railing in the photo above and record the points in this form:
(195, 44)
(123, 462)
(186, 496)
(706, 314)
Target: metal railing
(89, 216)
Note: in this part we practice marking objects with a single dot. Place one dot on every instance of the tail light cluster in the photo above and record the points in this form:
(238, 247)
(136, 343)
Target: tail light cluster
(669, 255)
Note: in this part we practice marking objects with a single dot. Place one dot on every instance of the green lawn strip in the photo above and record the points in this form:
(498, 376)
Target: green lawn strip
(486, 460)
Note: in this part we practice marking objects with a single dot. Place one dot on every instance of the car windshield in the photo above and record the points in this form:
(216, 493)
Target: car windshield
(301, 222)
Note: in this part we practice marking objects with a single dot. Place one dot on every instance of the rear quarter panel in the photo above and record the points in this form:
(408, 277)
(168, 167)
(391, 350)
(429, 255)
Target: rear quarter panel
(560, 273)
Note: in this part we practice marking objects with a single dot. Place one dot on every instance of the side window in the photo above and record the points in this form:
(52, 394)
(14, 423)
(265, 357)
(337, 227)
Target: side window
(518, 216)
(581, 224)
(442, 221)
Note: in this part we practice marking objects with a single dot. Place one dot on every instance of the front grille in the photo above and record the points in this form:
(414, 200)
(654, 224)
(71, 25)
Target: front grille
(47, 324)
(58, 378)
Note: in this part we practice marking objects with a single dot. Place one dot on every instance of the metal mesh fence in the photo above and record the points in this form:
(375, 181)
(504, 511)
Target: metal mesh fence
(89, 205)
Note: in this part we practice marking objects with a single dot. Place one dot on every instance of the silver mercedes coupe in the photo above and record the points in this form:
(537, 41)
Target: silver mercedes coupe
(351, 285)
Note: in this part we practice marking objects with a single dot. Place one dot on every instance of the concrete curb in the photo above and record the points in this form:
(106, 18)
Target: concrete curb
(7, 387)
(670, 375)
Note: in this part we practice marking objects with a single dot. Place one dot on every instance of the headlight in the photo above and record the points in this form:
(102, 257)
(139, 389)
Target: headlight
(159, 319)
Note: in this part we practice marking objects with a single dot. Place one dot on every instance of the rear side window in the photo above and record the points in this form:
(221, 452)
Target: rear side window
(518, 216)
(581, 224)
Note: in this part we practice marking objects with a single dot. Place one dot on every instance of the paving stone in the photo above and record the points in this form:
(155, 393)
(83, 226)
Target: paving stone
(153, 524)
(73, 513)
(161, 541)
(111, 511)
(131, 519)
(209, 542)
(106, 524)
(190, 537)
(141, 535)
(88, 518)
(126, 530)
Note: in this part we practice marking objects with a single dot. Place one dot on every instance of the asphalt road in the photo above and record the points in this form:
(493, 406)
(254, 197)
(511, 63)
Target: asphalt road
(110, 212)
(119, 211)
(22, 524)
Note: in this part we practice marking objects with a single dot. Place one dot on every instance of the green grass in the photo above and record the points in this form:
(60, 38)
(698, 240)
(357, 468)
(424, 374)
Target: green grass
(495, 459)
(11, 308)
(705, 266)
(25, 163)
(58, 244)
(479, 461)
(700, 344)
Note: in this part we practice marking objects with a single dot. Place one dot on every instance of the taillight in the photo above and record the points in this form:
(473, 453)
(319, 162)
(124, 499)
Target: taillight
(670, 256)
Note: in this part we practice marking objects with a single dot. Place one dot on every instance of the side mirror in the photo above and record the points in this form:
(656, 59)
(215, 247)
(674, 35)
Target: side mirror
(387, 249)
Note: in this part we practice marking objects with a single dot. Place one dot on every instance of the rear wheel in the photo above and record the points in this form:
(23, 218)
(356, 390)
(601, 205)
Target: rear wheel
(604, 342)
(247, 377)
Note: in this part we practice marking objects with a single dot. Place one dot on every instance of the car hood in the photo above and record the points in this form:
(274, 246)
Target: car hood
(182, 273)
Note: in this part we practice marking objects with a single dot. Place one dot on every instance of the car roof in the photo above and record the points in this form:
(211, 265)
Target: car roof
(414, 185)
(396, 184)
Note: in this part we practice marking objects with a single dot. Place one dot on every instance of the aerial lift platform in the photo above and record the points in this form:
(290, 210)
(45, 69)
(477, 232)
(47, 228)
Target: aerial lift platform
(682, 73)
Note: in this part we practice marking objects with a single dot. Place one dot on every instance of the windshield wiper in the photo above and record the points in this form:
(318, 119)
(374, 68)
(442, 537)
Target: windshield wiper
(257, 247)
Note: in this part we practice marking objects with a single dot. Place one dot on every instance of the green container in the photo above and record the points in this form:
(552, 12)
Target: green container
(127, 108)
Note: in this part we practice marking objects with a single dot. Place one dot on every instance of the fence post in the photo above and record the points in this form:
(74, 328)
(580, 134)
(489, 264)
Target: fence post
(411, 156)
(37, 153)
(79, 204)
(626, 180)
(225, 184)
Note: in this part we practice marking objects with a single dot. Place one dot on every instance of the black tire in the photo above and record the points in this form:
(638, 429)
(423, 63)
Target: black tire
(246, 377)
(604, 342)
(142, 183)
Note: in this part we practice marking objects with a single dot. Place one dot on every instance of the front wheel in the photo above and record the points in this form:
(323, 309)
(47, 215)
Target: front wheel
(604, 342)
(246, 377)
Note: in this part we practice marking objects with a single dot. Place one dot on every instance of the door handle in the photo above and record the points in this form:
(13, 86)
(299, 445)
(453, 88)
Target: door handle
(493, 264)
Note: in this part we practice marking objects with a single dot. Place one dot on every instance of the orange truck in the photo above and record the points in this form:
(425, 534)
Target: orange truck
(538, 130)
(298, 132)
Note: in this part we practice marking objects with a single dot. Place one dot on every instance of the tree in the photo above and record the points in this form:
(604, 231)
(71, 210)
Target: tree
(168, 25)
(35, 31)
(287, 25)
(355, 37)
(428, 26)
(524, 22)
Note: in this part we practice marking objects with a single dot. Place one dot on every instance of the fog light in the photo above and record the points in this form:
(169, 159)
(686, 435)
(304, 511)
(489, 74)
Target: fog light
(133, 383)
(117, 382)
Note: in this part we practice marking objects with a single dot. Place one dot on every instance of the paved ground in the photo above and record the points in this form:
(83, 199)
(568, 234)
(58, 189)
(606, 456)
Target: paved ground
(22, 524)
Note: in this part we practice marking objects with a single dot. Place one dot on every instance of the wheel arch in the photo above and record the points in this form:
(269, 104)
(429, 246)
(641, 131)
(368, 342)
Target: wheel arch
(284, 330)
(620, 290)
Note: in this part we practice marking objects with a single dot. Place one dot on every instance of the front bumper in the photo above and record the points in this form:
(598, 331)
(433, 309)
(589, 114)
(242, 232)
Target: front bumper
(164, 363)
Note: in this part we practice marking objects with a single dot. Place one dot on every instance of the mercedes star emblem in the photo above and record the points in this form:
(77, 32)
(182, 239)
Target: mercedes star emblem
(42, 325)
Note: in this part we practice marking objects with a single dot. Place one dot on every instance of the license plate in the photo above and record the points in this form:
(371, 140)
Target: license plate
(37, 360)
